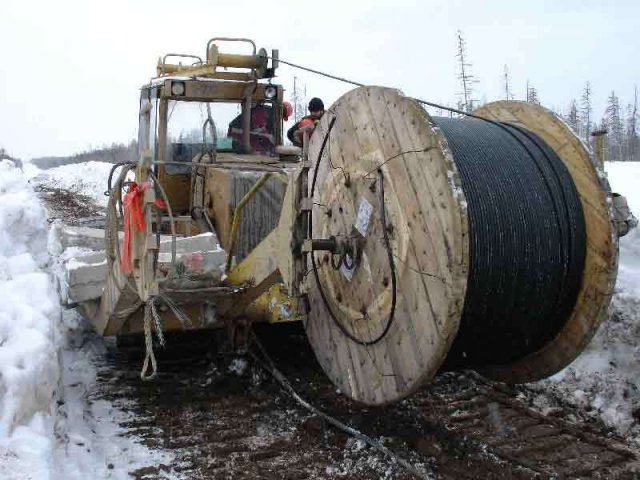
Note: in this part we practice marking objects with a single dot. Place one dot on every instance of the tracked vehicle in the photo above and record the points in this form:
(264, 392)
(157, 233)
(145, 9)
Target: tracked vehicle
(404, 243)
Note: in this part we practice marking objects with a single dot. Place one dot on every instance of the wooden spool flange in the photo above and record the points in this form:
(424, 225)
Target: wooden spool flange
(379, 128)
(601, 260)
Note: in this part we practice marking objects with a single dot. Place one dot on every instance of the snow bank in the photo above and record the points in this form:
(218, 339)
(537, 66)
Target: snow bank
(51, 426)
(89, 178)
(625, 179)
(92, 443)
(29, 367)
(604, 380)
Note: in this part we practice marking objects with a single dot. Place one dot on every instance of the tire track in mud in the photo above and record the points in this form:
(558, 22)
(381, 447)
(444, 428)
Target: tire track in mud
(223, 417)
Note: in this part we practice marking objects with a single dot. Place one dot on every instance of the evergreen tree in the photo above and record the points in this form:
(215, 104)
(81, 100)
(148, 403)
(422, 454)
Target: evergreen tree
(572, 117)
(532, 94)
(615, 128)
(585, 113)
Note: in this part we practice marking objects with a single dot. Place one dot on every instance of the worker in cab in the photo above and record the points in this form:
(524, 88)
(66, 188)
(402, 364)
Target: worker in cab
(316, 110)
(261, 135)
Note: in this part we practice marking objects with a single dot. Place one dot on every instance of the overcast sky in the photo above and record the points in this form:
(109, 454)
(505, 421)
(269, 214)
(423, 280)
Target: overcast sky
(70, 70)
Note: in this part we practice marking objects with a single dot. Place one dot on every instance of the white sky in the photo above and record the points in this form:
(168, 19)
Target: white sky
(70, 70)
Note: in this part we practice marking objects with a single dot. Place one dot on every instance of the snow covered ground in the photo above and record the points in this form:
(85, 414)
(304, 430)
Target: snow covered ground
(89, 178)
(50, 428)
(90, 441)
(29, 333)
(605, 379)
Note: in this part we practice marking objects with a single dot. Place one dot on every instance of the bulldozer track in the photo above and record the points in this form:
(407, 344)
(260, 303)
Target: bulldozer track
(223, 417)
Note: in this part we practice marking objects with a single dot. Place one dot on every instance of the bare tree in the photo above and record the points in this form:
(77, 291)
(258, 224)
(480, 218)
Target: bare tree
(508, 95)
(466, 79)
(632, 140)
(585, 111)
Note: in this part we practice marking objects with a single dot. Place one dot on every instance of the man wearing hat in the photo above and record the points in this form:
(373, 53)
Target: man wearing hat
(316, 110)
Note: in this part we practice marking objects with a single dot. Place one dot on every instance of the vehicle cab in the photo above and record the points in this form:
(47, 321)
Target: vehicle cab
(221, 110)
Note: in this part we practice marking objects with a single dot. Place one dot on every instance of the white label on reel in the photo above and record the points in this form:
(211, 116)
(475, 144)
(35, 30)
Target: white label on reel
(364, 215)
(346, 271)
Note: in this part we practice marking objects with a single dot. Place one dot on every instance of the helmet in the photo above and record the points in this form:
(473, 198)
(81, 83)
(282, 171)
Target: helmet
(287, 110)
(315, 105)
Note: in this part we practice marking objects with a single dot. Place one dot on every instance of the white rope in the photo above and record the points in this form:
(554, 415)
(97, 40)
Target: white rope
(184, 319)
(149, 356)
(157, 320)
(152, 316)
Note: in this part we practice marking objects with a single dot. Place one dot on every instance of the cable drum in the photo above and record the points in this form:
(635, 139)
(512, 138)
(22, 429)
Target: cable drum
(527, 241)
(482, 242)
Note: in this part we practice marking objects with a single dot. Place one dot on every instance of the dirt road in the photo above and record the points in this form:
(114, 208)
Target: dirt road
(225, 417)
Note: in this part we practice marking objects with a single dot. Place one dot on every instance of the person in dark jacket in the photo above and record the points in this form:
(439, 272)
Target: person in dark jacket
(261, 135)
(316, 110)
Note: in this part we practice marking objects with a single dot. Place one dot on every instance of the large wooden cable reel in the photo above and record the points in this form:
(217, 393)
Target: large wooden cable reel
(426, 226)
(382, 329)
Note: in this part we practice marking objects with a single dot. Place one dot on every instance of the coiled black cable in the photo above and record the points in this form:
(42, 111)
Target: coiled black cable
(526, 241)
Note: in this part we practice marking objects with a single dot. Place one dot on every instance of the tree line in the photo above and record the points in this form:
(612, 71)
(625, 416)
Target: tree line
(621, 124)
(114, 153)
(619, 120)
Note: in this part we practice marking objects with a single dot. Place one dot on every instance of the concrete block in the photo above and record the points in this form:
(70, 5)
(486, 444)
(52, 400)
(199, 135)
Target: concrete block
(86, 237)
(86, 275)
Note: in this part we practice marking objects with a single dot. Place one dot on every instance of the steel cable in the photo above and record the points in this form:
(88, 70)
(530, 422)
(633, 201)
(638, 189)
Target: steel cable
(265, 361)
(526, 241)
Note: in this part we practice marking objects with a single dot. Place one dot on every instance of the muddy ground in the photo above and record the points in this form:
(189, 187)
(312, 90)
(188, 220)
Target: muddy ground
(223, 416)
